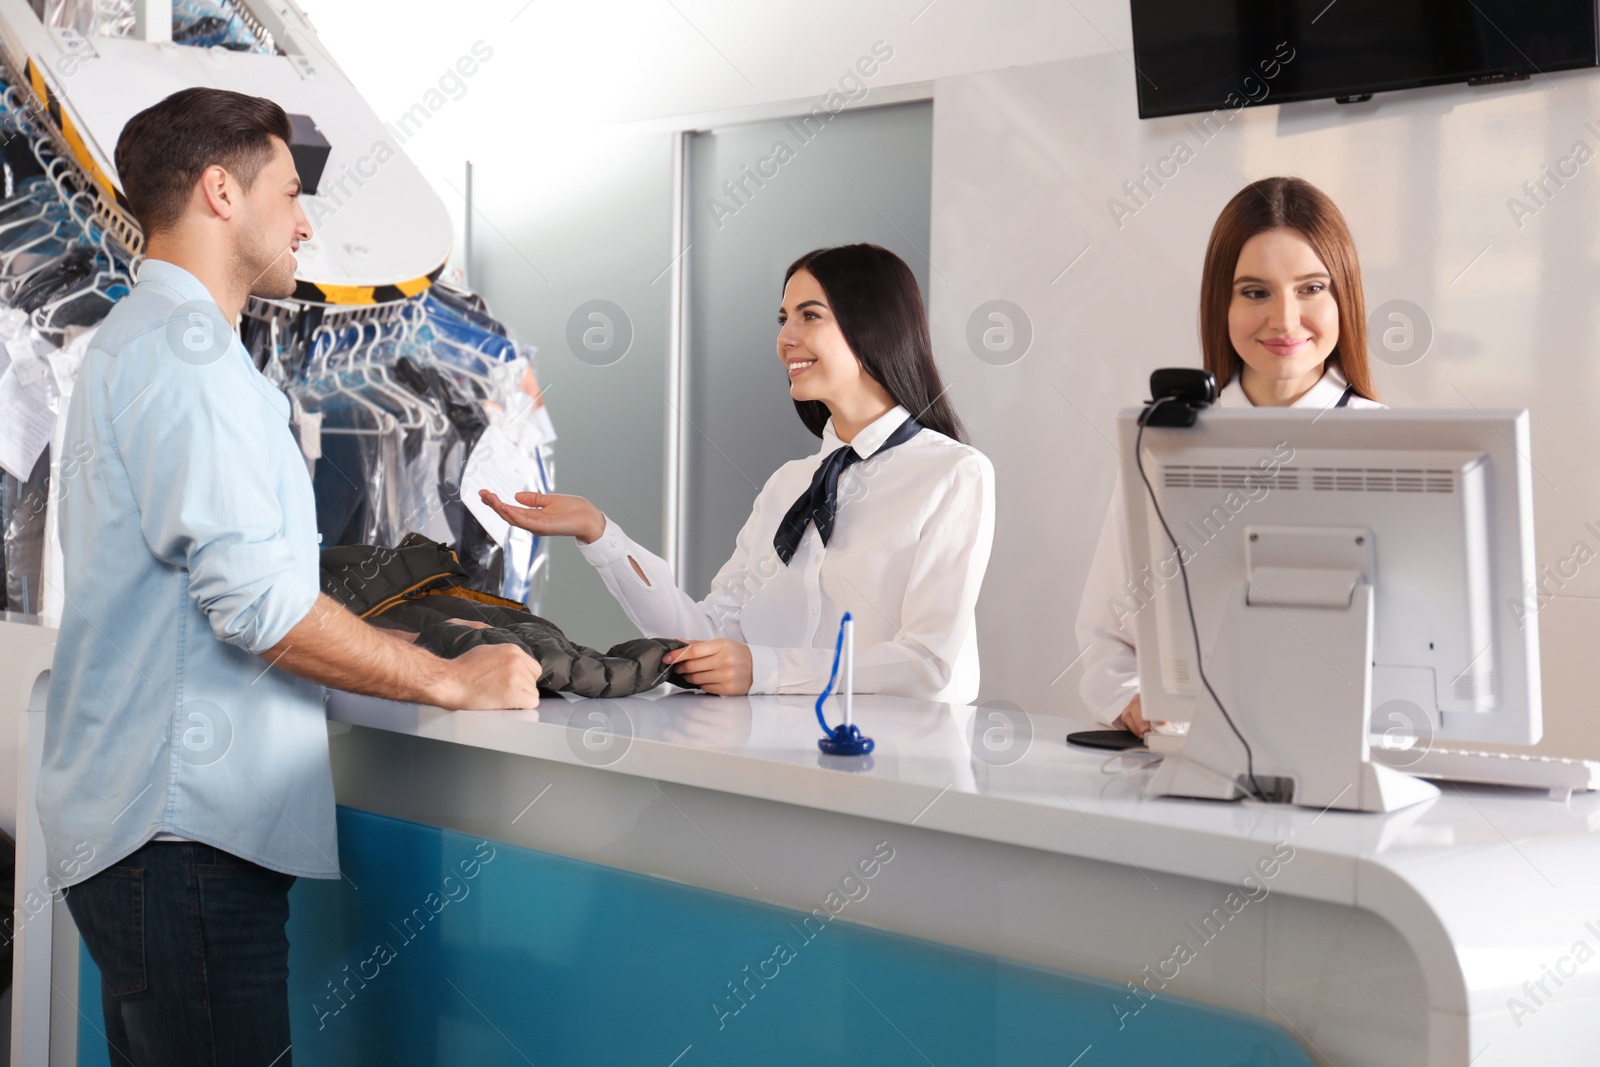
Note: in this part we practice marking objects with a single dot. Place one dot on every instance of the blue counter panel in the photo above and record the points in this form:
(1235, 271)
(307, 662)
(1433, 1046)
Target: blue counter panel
(440, 949)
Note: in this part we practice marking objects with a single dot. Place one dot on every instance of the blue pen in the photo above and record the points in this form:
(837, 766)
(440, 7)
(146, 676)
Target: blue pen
(844, 739)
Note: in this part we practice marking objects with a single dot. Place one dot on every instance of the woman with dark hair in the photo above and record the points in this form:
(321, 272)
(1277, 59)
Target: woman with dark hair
(1282, 324)
(891, 519)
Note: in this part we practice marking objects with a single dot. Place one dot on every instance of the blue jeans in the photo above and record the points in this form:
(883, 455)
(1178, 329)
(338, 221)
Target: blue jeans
(193, 958)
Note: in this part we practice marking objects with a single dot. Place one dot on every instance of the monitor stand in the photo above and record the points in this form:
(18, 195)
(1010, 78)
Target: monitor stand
(1297, 679)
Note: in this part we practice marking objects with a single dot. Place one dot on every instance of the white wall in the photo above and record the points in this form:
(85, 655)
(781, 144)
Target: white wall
(575, 66)
(567, 78)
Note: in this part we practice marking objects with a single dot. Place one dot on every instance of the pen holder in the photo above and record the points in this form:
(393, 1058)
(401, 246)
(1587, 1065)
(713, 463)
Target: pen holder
(845, 740)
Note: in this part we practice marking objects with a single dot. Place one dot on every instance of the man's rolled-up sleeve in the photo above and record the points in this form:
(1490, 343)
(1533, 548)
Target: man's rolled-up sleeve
(193, 440)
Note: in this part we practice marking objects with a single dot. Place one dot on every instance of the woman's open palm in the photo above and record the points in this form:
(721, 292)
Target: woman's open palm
(550, 514)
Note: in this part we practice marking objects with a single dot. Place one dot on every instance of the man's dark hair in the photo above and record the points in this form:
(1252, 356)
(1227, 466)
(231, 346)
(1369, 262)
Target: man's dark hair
(165, 148)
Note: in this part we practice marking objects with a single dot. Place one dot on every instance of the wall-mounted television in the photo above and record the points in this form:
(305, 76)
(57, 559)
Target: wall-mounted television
(1202, 55)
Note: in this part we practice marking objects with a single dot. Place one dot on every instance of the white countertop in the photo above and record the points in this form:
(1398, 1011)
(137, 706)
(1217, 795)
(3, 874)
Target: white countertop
(1487, 885)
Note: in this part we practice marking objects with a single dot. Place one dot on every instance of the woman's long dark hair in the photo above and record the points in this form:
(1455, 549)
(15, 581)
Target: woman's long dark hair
(875, 299)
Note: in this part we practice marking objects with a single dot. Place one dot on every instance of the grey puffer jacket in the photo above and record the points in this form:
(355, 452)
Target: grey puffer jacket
(418, 587)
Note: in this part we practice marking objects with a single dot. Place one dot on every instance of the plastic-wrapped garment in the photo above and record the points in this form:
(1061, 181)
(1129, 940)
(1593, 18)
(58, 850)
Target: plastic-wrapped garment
(68, 272)
(66, 464)
(538, 579)
(204, 23)
(351, 482)
(374, 488)
(215, 24)
(107, 18)
(32, 552)
(48, 266)
(477, 353)
(481, 558)
(21, 165)
(87, 308)
(468, 335)
(340, 481)
(504, 370)
(527, 559)
(385, 489)
(24, 506)
(422, 504)
(464, 413)
(27, 393)
(463, 305)
(279, 345)
(32, 226)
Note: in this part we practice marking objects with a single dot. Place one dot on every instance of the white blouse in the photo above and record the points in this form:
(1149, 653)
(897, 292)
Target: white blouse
(906, 558)
(1110, 677)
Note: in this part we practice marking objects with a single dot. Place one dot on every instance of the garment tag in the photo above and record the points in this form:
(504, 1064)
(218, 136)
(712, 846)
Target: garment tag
(310, 424)
(496, 464)
(307, 426)
(26, 421)
(25, 364)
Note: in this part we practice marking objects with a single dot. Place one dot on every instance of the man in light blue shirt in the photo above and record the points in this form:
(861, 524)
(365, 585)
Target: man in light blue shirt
(186, 779)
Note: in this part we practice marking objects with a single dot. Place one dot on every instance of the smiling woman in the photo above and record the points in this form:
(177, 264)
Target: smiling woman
(1282, 324)
(1280, 297)
(874, 332)
(891, 519)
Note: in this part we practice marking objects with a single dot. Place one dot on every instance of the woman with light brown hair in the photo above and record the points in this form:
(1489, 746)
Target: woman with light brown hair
(1282, 324)
(1281, 307)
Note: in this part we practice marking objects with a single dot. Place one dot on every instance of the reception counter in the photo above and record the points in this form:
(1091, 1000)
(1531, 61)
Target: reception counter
(1456, 931)
(683, 879)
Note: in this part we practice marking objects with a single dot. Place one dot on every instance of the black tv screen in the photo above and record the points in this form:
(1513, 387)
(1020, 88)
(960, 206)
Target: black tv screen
(1201, 55)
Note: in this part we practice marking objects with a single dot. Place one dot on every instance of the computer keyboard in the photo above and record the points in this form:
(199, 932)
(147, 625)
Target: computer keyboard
(1562, 777)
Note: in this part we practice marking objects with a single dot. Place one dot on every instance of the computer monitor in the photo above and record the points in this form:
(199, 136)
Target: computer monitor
(1338, 562)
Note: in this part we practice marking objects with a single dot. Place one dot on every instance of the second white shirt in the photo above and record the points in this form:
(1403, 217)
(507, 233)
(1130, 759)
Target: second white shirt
(907, 556)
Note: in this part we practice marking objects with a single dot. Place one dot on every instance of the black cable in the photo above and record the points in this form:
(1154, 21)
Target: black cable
(1188, 600)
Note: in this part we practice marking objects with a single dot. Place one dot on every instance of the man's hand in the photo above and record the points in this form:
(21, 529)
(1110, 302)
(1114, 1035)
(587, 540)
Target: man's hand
(334, 648)
(491, 677)
(718, 666)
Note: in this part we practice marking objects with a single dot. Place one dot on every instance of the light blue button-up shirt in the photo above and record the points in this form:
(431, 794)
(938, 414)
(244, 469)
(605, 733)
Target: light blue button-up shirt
(189, 544)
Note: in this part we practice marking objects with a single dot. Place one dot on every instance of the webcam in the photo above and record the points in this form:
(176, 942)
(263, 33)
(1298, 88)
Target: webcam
(1177, 394)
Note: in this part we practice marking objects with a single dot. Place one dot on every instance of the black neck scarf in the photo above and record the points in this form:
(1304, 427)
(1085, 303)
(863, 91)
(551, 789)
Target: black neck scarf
(817, 504)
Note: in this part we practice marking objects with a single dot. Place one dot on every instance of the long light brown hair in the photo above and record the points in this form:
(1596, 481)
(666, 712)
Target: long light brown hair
(1293, 204)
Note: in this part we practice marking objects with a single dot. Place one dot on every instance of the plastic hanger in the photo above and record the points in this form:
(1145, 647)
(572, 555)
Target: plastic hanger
(24, 220)
(53, 236)
(43, 317)
(330, 380)
(375, 376)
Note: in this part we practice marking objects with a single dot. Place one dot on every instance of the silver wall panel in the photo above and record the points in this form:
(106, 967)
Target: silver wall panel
(542, 259)
(863, 176)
